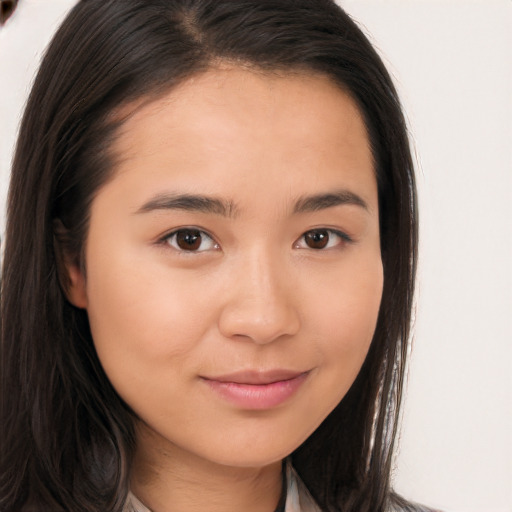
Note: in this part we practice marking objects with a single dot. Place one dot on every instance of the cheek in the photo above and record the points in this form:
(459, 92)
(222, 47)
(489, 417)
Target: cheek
(347, 315)
(142, 314)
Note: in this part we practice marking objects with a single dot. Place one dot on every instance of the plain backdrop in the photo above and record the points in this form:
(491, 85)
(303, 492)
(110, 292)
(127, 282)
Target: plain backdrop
(452, 63)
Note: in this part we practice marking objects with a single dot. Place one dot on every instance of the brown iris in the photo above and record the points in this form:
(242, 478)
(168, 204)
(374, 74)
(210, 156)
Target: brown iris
(317, 239)
(189, 239)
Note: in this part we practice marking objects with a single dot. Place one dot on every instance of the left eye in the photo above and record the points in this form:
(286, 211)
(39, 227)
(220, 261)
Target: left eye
(191, 240)
(321, 239)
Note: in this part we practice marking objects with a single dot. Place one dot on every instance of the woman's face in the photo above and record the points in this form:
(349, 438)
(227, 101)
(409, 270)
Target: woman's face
(233, 266)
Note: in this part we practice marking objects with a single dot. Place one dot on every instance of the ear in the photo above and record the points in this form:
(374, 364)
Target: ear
(76, 293)
(70, 271)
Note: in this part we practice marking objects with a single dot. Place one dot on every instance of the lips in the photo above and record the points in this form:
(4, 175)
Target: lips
(257, 390)
(257, 377)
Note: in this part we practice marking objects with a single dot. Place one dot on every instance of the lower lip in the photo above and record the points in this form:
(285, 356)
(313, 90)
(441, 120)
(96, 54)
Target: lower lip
(257, 396)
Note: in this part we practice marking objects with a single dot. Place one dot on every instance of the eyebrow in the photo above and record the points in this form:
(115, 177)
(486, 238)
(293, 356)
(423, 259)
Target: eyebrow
(207, 204)
(318, 202)
(189, 202)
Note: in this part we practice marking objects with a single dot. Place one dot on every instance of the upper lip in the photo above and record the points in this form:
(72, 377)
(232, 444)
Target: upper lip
(256, 377)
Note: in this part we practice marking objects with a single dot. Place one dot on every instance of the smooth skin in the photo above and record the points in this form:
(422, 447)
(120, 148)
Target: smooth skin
(240, 232)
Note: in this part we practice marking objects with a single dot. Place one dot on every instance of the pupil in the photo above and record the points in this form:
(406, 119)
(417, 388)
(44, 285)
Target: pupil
(188, 240)
(317, 239)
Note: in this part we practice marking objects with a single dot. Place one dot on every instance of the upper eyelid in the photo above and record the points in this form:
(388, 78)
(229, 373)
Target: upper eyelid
(337, 232)
(345, 238)
(174, 231)
(164, 239)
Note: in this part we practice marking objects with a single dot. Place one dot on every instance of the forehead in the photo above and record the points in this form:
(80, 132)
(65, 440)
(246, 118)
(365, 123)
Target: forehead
(233, 125)
(245, 95)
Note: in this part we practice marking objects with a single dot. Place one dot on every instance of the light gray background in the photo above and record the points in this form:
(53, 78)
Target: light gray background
(452, 61)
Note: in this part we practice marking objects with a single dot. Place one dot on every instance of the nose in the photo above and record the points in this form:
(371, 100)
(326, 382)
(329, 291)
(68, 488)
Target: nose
(261, 305)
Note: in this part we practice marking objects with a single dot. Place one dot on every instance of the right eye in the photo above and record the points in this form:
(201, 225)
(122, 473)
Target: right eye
(322, 238)
(191, 240)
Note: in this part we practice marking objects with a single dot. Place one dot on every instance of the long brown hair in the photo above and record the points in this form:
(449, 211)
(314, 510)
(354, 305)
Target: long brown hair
(67, 437)
(7, 8)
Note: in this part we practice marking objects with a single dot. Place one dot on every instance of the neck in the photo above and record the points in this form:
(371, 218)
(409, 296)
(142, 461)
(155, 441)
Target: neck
(166, 477)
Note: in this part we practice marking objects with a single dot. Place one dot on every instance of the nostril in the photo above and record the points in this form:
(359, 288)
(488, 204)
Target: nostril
(6, 9)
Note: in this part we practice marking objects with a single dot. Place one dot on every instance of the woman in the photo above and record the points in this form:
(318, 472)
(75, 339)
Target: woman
(209, 264)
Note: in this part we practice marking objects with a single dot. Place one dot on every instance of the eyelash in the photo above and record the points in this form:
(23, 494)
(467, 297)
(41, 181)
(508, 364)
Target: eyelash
(168, 239)
(171, 239)
(343, 238)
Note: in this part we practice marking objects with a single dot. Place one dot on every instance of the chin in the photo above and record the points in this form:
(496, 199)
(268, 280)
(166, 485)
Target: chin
(252, 451)
(253, 459)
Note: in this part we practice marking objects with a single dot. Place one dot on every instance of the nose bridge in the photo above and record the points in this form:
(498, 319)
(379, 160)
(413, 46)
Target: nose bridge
(260, 305)
(264, 272)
